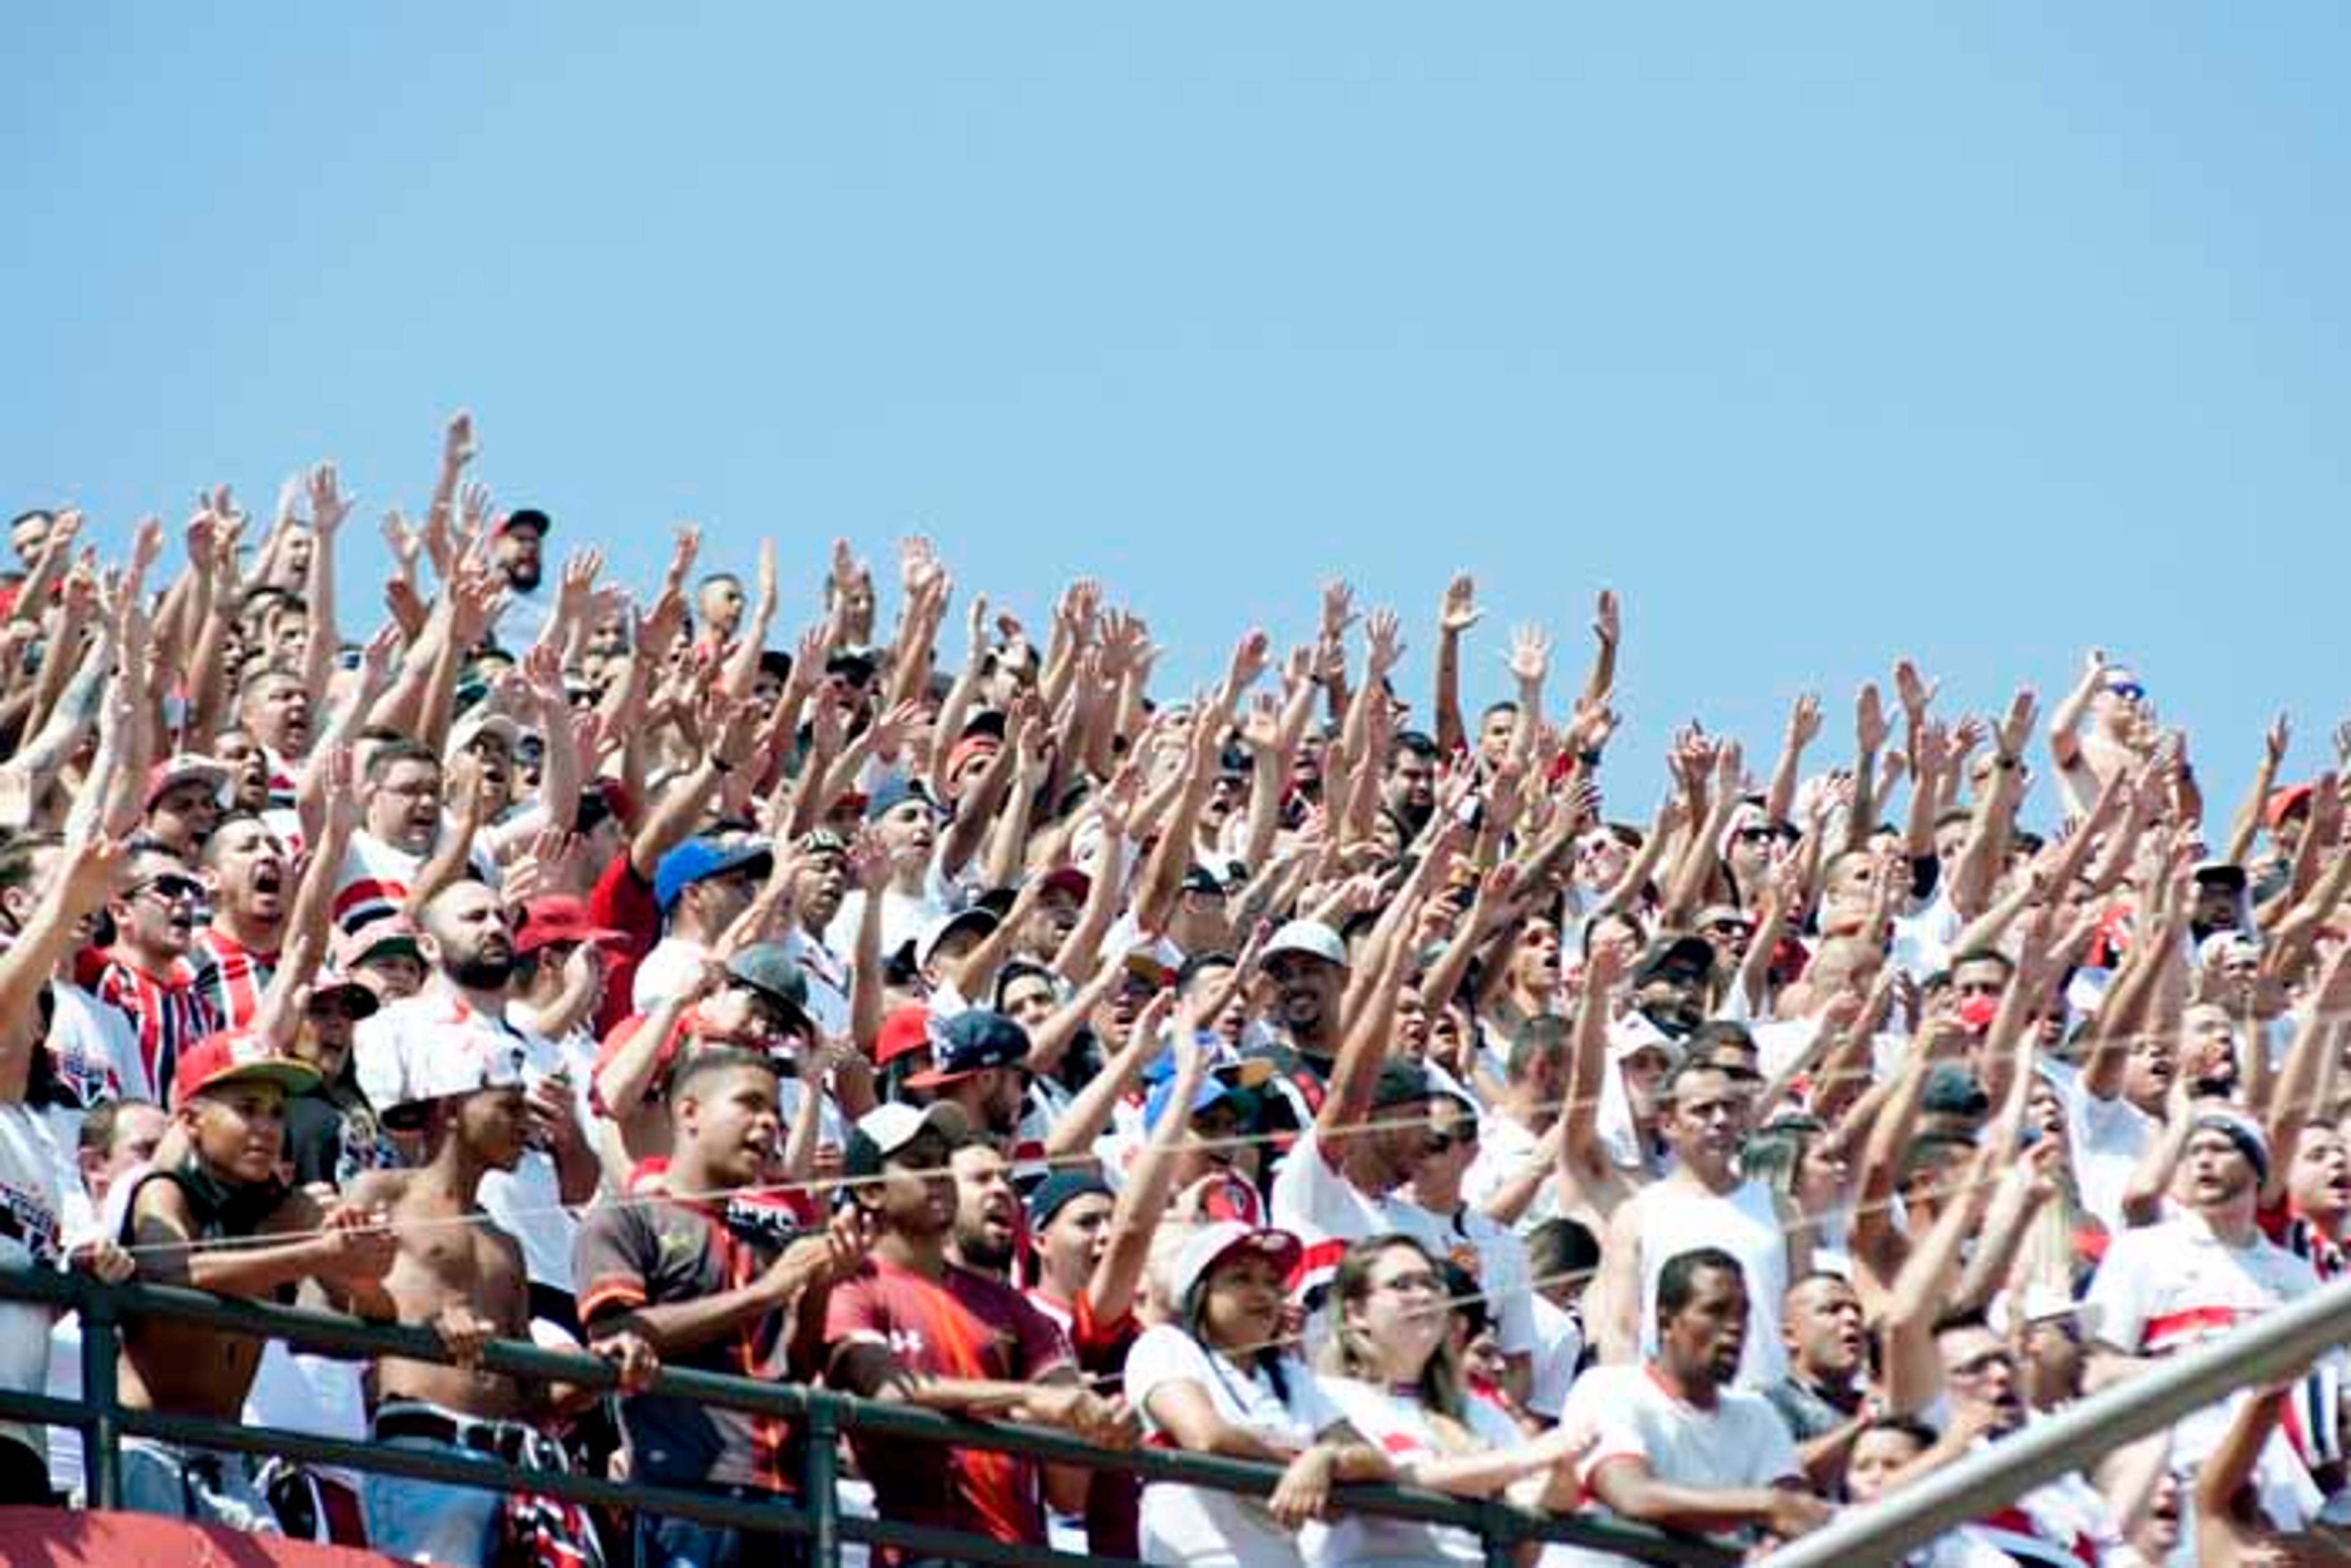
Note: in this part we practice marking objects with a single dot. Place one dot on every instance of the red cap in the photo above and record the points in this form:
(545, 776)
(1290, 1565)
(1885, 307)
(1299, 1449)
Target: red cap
(559, 917)
(902, 1032)
(2284, 804)
(235, 1056)
(969, 747)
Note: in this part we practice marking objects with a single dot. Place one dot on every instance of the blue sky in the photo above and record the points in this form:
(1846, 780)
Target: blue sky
(1822, 333)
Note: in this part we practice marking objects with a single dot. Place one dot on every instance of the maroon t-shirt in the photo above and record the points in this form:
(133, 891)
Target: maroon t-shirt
(966, 1326)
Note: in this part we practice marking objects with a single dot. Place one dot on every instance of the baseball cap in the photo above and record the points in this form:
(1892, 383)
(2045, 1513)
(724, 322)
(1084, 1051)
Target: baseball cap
(1061, 1189)
(444, 1064)
(1311, 938)
(969, 747)
(380, 938)
(851, 656)
(938, 928)
(2284, 804)
(699, 860)
(184, 768)
(1212, 1244)
(1068, 879)
(1695, 952)
(972, 1041)
(886, 1129)
(769, 968)
(1212, 1091)
(479, 723)
(1953, 1091)
(2220, 874)
(895, 791)
(1403, 1082)
(360, 998)
(903, 1031)
(1201, 879)
(236, 1056)
(2241, 1130)
(525, 517)
(559, 917)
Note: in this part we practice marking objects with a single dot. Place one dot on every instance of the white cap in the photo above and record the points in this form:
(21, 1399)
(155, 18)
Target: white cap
(1204, 1247)
(2040, 1303)
(439, 1063)
(1311, 938)
(478, 721)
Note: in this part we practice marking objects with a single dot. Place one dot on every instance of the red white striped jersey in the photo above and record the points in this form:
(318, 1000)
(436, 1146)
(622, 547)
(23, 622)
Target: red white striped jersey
(167, 1010)
(230, 976)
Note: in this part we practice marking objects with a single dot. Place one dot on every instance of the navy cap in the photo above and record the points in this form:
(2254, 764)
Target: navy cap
(1057, 1190)
(972, 1041)
(699, 860)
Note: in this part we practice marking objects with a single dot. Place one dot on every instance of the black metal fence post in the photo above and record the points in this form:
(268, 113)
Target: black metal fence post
(820, 1497)
(102, 1452)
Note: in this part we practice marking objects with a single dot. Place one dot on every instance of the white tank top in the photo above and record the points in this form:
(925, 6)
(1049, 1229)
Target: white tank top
(1681, 1217)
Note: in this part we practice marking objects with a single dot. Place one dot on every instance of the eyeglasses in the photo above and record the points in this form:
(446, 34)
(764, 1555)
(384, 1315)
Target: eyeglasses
(1445, 1143)
(1729, 928)
(1419, 1285)
(170, 888)
(1978, 1365)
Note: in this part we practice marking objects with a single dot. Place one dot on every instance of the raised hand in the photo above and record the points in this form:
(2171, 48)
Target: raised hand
(1252, 655)
(1338, 607)
(1457, 610)
(1383, 642)
(867, 863)
(457, 445)
(578, 582)
(1869, 727)
(1803, 721)
(328, 504)
(2275, 743)
(1530, 655)
(2016, 727)
(1913, 692)
(1607, 619)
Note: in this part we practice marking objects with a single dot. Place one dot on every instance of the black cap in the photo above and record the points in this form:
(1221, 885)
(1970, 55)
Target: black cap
(1695, 952)
(526, 518)
(1402, 1081)
(970, 1042)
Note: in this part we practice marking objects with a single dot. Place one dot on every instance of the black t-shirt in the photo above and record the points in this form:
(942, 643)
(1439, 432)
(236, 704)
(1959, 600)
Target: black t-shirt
(655, 1252)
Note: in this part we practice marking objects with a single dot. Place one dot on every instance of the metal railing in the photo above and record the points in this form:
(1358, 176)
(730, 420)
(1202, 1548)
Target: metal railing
(821, 1415)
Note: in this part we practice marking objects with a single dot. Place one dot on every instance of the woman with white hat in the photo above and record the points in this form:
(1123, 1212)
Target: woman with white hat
(1214, 1380)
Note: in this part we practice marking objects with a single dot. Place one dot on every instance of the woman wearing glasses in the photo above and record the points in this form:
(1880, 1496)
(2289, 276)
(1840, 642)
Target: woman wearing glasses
(1390, 1377)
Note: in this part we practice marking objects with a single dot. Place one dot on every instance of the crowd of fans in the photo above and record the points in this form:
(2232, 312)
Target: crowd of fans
(1284, 1071)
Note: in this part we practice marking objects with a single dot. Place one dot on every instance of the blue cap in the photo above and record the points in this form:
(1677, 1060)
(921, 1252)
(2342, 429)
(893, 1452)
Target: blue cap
(894, 792)
(1212, 1089)
(970, 1042)
(699, 860)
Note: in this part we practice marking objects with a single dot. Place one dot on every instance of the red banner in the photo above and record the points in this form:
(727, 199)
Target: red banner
(56, 1538)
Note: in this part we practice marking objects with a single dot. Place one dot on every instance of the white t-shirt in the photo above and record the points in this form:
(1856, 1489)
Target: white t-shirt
(1559, 1348)
(30, 1237)
(1504, 1148)
(1679, 1217)
(1739, 1444)
(1200, 1526)
(828, 979)
(1397, 1426)
(673, 964)
(2165, 1289)
(1314, 1202)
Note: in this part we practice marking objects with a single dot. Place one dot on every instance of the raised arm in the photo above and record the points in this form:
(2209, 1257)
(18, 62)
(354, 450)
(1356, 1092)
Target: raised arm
(1456, 613)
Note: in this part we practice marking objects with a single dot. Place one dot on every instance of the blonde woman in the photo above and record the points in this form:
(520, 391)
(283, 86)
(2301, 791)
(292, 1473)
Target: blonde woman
(1390, 1377)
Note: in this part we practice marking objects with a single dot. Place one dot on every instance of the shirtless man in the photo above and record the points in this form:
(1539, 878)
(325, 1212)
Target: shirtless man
(458, 1273)
(221, 1185)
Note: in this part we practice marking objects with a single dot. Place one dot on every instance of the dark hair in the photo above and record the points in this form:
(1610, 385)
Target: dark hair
(1920, 1153)
(1198, 964)
(1411, 742)
(1982, 955)
(1019, 969)
(228, 820)
(404, 749)
(1964, 1318)
(1267, 1357)
(1561, 1246)
(711, 1062)
(1677, 1280)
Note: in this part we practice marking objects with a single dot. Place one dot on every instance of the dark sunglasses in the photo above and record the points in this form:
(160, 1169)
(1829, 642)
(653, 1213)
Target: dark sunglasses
(171, 888)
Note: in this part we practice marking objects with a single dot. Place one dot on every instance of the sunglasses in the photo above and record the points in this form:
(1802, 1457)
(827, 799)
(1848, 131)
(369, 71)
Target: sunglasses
(171, 889)
(1762, 835)
(2129, 691)
(1445, 1143)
